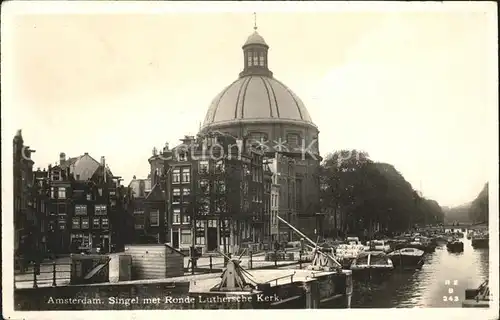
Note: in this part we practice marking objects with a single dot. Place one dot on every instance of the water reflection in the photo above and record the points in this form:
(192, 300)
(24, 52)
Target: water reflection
(427, 287)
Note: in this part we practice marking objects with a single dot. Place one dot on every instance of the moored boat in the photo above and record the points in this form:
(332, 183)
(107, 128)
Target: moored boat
(455, 245)
(477, 298)
(322, 284)
(373, 263)
(420, 243)
(480, 240)
(407, 258)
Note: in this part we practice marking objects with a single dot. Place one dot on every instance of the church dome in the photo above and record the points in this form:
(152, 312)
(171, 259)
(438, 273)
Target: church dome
(256, 96)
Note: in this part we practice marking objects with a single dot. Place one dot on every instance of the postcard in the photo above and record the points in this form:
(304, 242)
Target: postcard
(185, 156)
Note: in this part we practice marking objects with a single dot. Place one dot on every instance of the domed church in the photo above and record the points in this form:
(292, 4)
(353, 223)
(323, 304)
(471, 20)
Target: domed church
(262, 109)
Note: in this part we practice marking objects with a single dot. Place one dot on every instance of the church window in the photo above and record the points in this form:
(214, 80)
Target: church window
(293, 139)
(256, 59)
(250, 59)
(257, 136)
(261, 59)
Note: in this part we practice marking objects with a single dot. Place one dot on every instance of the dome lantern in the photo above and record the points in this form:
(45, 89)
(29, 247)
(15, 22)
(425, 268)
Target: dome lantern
(255, 52)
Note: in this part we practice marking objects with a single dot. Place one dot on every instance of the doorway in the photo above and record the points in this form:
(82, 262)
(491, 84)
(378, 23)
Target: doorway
(175, 239)
(211, 239)
(105, 244)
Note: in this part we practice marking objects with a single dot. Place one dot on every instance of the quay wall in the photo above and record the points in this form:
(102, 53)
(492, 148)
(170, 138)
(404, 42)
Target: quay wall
(105, 295)
(144, 296)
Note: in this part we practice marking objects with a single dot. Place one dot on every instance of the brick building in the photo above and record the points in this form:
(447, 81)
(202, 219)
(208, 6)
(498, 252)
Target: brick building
(214, 192)
(27, 218)
(148, 212)
(86, 207)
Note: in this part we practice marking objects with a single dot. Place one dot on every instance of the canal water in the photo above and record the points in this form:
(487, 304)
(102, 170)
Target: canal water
(441, 282)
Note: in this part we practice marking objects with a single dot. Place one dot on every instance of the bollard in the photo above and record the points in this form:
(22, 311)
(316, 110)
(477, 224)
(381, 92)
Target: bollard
(35, 285)
(193, 265)
(54, 274)
(192, 250)
(210, 264)
(250, 262)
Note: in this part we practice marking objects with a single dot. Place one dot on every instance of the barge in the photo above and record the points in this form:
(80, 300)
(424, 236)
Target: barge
(323, 284)
(477, 298)
(407, 258)
(455, 245)
(372, 263)
(480, 241)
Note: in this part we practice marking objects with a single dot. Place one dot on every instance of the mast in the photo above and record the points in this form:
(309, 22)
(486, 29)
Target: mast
(321, 259)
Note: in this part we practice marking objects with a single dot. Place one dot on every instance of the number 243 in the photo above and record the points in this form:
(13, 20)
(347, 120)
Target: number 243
(450, 298)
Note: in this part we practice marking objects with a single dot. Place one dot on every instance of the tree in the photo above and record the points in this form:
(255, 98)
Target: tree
(479, 208)
(359, 195)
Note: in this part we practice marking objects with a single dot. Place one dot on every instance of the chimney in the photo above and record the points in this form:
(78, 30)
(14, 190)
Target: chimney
(103, 163)
(62, 158)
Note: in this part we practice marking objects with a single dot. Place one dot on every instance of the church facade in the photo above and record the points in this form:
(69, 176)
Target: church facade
(258, 107)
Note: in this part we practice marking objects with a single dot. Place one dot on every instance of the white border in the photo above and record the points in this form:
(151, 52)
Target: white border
(80, 7)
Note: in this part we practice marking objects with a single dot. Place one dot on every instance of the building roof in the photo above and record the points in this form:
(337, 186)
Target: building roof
(255, 38)
(82, 167)
(18, 136)
(256, 98)
(140, 187)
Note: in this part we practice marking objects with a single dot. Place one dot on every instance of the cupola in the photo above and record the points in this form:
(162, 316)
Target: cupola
(255, 55)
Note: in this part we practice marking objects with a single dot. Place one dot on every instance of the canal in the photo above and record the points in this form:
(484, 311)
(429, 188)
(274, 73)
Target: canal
(444, 275)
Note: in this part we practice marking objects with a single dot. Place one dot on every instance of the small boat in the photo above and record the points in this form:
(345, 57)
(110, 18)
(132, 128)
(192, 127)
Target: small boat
(455, 245)
(477, 298)
(421, 243)
(480, 241)
(373, 262)
(407, 257)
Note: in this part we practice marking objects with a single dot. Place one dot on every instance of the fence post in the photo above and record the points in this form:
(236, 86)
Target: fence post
(35, 285)
(250, 265)
(275, 258)
(300, 259)
(210, 257)
(54, 274)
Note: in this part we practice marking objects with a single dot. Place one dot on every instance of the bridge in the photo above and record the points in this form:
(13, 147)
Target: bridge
(469, 226)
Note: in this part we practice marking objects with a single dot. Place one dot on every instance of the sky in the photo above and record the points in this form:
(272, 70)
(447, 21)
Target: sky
(416, 89)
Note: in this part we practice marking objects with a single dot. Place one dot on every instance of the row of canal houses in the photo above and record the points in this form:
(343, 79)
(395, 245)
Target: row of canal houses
(217, 200)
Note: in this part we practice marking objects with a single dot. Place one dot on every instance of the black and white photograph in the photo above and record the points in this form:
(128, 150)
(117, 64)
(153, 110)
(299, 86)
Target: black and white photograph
(249, 155)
